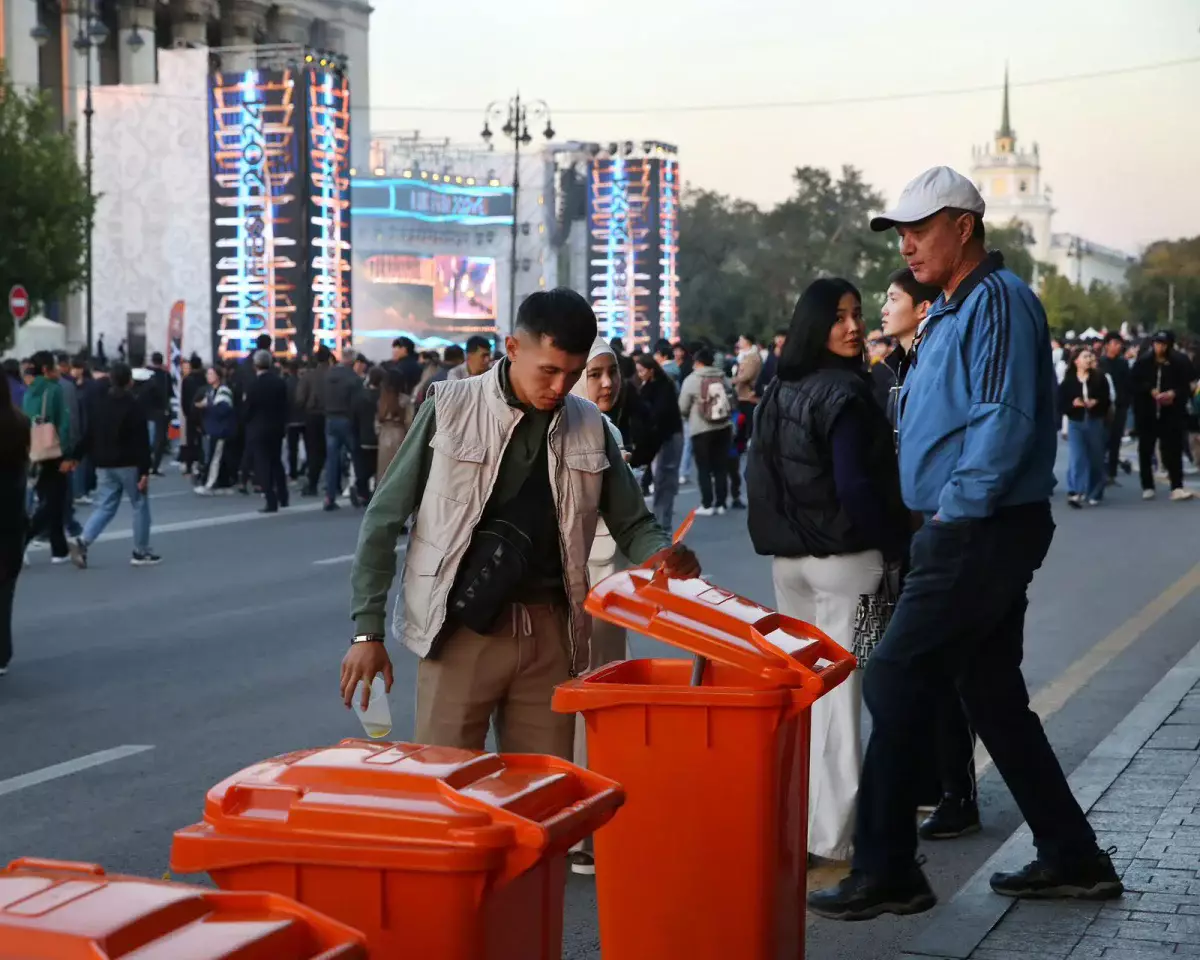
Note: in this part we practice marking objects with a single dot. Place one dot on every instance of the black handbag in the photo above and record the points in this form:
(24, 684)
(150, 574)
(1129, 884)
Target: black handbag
(874, 614)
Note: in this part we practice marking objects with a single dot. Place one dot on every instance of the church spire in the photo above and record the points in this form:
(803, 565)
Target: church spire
(1005, 138)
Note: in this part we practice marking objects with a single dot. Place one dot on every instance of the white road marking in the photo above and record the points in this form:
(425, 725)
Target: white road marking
(65, 769)
(347, 557)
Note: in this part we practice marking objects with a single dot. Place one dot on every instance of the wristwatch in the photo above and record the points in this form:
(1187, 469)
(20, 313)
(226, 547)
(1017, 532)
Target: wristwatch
(368, 638)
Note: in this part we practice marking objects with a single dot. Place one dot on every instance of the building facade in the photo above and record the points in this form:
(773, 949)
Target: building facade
(1010, 179)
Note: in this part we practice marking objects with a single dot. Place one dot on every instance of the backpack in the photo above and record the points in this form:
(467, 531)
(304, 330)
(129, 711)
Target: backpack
(714, 400)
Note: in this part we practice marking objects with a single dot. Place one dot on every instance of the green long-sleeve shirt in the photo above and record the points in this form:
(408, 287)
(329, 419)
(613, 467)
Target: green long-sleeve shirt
(399, 493)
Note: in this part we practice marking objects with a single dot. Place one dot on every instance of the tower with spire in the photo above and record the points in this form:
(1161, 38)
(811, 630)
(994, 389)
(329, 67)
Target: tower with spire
(1010, 180)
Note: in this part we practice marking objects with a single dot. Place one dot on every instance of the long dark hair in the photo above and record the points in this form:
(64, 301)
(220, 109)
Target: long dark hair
(392, 396)
(816, 312)
(650, 363)
(14, 430)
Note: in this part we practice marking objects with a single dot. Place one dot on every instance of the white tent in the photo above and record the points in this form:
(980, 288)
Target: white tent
(38, 333)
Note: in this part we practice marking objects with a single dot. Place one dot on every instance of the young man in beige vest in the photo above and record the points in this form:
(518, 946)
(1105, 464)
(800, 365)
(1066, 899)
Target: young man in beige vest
(514, 434)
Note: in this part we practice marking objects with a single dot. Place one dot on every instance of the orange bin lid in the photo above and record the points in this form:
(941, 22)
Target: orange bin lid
(718, 625)
(397, 806)
(74, 911)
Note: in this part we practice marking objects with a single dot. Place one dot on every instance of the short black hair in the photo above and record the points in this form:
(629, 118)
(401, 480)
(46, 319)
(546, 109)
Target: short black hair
(704, 355)
(562, 316)
(262, 342)
(405, 342)
(42, 361)
(454, 352)
(920, 292)
(156, 357)
(750, 338)
(323, 355)
(120, 375)
(62, 358)
(662, 347)
(1113, 335)
(477, 343)
(617, 344)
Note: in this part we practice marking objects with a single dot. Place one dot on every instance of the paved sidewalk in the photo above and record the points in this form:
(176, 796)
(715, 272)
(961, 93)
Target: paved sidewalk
(1141, 787)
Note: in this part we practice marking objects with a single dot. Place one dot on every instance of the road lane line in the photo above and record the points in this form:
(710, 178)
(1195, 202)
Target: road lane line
(1054, 696)
(65, 769)
(347, 557)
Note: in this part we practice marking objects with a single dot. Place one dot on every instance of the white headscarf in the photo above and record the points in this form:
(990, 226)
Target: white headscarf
(599, 347)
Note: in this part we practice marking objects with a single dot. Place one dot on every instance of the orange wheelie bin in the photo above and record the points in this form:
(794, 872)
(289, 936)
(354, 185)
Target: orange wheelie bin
(54, 910)
(707, 860)
(431, 852)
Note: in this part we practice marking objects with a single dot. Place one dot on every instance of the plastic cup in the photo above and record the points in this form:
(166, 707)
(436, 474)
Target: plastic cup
(377, 718)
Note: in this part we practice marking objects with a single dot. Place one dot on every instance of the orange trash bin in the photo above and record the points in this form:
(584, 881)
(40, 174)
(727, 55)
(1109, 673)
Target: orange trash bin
(431, 852)
(53, 910)
(707, 860)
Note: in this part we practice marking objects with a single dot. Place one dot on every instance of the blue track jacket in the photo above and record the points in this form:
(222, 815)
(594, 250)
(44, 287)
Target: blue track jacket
(977, 421)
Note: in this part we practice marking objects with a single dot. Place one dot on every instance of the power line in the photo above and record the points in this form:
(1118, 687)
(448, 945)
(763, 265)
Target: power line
(149, 92)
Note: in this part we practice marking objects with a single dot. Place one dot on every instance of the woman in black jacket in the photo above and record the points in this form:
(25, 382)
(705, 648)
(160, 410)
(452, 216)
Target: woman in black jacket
(661, 400)
(1083, 397)
(14, 473)
(824, 501)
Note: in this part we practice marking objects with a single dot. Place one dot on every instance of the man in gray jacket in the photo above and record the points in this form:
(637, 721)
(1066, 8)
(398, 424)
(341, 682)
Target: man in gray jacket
(704, 400)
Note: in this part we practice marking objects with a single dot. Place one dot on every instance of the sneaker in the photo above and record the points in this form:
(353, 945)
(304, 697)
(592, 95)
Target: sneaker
(737, 504)
(1147, 494)
(3, 671)
(720, 511)
(59, 561)
(1127, 466)
(330, 506)
(156, 473)
(582, 863)
(1179, 493)
(952, 818)
(1091, 878)
(203, 491)
(1074, 501)
(78, 552)
(1093, 503)
(145, 559)
(860, 897)
(705, 511)
(84, 501)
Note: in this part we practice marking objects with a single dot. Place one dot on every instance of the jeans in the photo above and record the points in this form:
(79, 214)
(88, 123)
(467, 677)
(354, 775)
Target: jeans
(685, 458)
(1085, 464)
(666, 481)
(339, 442)
(961, 619)
(115, 481)
(711, 450)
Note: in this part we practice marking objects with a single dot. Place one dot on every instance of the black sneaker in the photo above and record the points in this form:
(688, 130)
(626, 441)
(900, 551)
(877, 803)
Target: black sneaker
(330, 506)
(78, 553)
(952, 818)
(737, 504)
(860, 897)
(146, 558)
(582, 862)
(1089, 878)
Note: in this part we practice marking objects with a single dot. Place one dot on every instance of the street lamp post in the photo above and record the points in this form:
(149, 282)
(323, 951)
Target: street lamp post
(516, 115)
(92, 32)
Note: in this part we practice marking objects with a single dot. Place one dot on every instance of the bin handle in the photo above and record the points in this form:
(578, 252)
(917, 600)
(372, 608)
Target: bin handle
(238, 793)
(63, 866)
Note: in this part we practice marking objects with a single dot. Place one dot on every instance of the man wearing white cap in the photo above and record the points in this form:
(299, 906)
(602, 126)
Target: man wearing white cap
(977, 450)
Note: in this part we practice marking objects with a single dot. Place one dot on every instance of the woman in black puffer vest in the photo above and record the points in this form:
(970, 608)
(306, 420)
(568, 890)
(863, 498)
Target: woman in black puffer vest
(824, 501)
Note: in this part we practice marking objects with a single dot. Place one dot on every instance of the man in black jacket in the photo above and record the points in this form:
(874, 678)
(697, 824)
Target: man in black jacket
(1114, 366)
(342, 386)
(1160, 396)
(160, 414)
(118, 441)
(266, 418)
(404, 359)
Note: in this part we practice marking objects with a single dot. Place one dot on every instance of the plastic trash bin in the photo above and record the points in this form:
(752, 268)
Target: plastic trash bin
(707, 860)
(74, 911)
(431, 852)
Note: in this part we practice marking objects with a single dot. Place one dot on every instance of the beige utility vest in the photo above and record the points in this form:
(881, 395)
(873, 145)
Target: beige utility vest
(474, 426)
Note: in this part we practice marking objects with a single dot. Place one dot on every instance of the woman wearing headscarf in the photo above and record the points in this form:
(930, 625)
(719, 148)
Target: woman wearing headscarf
(824, 501)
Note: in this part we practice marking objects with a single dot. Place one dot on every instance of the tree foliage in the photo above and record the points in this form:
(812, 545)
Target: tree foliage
(1165, 264)
(742, 269)
(46, 207)
(1014, 240)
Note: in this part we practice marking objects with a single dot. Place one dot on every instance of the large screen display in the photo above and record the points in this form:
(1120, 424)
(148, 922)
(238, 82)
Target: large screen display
(633, 245)
(435, 300)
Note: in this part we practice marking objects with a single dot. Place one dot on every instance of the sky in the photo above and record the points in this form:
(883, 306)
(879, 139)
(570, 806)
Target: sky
(1121, 152)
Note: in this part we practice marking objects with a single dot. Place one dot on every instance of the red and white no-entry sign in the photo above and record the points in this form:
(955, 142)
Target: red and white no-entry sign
(18, 303)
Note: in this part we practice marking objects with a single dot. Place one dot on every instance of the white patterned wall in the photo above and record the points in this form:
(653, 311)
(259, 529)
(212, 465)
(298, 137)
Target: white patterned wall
(152, 242)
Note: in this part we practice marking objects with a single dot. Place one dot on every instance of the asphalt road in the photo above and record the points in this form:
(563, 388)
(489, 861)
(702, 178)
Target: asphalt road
(228, 653)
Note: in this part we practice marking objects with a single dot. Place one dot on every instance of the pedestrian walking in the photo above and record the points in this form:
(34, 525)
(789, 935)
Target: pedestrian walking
(396, 412)
(824, 502)
(310, 398)
(477, 359)
(266, 419)
(220, 426)
(14, 471)
(508, 473)
(342, 387)
(704, 401)
(977, 452)
(295, 424)
(159, 411)
(1116, 367)
(191, 389)
(118, 441)
(1084, 399)
(73, 399)
(659, 396)
(1160, 395)
(50, 452)
(405, 361)
(365, 426)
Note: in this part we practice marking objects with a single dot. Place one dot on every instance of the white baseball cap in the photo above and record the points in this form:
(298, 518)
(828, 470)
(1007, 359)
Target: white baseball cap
(934, 190)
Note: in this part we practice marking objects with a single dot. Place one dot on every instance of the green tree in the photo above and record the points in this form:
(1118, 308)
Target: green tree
(1163, 265)
(1072, 309)
(1013, 240)
(46, 207)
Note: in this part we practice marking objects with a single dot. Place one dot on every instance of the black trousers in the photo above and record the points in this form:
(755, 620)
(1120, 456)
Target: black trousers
(294, 432)
(12, 551)
(48, 518)
(314, 446)
(365, 460)
(961, 619)
(1167, 432)
(954, 747)
(267, 452)
(1116, 430)
(711, 452)
(162, 424)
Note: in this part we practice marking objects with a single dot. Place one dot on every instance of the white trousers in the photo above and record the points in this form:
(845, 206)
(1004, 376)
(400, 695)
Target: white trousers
(824, 591)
